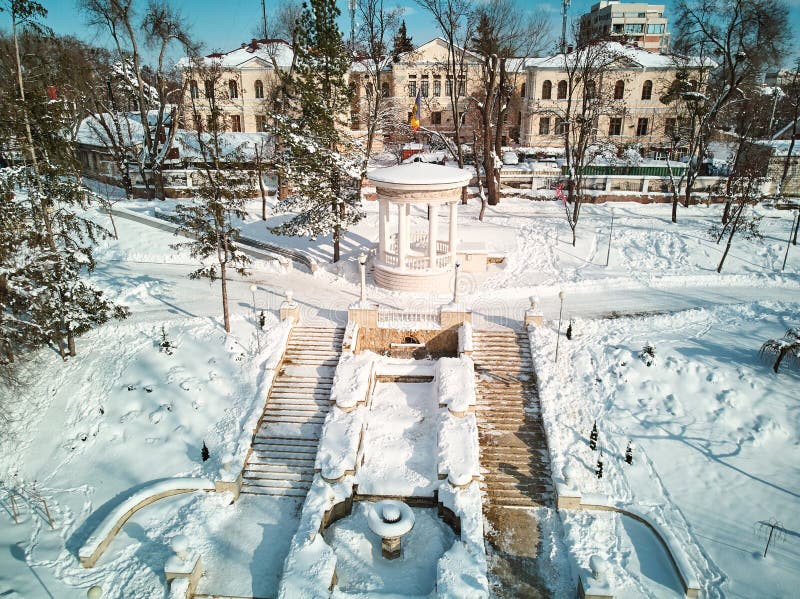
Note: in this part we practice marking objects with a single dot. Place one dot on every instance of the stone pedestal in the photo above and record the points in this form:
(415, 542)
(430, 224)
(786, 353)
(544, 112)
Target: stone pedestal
(390, 547)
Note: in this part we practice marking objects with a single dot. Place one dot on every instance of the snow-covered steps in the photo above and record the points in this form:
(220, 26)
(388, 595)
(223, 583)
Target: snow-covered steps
(281, 459)
(514, 459)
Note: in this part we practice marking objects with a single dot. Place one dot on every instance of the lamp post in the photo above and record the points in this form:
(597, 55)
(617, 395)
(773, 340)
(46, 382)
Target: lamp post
(561, 295)
(255, 318)
(362, 267)
(455, 282)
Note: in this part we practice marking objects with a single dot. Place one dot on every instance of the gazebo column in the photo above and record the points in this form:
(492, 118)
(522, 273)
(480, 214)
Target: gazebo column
(402, 235)
(433, 228)
(383, 229)
(453, 231)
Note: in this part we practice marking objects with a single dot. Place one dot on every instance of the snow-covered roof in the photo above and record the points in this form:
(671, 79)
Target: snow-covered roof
(781, 146)
(632, 55)
(263, 50)
(230, 143)
(419, 173)
(92, 132)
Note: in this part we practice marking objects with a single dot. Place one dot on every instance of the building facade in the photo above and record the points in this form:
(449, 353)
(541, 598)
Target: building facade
(240, 84)
(641, 24)
(629, 89)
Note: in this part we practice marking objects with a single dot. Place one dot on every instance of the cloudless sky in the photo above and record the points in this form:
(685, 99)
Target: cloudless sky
(225, 24)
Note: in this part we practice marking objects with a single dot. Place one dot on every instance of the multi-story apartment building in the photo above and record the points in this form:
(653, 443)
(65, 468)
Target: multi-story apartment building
(640, 24)
(629, 89)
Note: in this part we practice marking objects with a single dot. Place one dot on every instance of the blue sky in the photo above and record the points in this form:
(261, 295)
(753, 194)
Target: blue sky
(224, 24)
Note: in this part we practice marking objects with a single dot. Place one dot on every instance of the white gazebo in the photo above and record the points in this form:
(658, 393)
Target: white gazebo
(421, 260)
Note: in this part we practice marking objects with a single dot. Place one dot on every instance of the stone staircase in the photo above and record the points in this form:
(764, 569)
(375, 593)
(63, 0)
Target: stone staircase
(281, 459)
(513, 447)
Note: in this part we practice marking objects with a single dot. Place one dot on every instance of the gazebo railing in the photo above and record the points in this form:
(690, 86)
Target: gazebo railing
(418, 262)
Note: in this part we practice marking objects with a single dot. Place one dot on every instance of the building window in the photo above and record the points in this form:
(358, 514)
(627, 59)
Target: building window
(591, 90)
(198, 122)
(193, 91)
(522, 91)
(641, 127)
(647, 90)
(562, 90)
(385, 89)
(236, 123)
(448, 87)
(634, 28)
(437, 86)
(233, 89)
(424, 86)
(615, 126)
(560, 126)
(462, 87)
(261, 122)
(670, 126)
(209, 85)
(436, 118)
(544, 125)
(412, 86)
(547, 90)
(655, 28)
(211, 122)
(259, 89)
(619, 90)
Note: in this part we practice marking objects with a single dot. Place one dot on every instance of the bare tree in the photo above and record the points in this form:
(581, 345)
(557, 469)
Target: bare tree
(737, 37)
(377, 25)
(455, 21)
(160, 28)
(588, 95)
(503, 32)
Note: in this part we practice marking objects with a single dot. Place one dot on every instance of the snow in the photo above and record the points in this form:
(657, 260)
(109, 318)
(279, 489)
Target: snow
(390, 518)
(465, 338)
(352, 381)
(169, 486)
(263, 51)
(462, 570)
(716, 438)
(459, 457)
(399, 444)
(363, 572)
(456, 388)
(338, 448)
(419, 173)
(716, 442)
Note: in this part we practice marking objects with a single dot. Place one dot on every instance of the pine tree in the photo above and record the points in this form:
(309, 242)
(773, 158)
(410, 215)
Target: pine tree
(593, 437)
(318, 158)
(402, 42)
(211, 218)
(204, 452)
(629, 453)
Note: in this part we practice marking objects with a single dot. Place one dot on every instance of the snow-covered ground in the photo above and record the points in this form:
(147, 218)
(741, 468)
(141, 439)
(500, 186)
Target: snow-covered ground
(87, 440)
(363, 572)
(716, 438)
(87, 433)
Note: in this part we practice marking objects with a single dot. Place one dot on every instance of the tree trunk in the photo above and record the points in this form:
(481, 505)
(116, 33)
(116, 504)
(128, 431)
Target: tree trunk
(796, 226)
(734, 226)
(336, 235)
(226, 318)
(71, 342)
(263, 191)
(674, 207)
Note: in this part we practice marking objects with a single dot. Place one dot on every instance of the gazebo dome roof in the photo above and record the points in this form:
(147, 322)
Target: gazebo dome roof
(420, 174)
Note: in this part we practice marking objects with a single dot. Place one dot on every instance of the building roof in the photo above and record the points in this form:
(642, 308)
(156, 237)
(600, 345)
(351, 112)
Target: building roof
(630, 55)
(265, 50)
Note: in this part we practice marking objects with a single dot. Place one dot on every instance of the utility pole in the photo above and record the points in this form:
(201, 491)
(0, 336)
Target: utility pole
(351, 5)
(264, 16)
(564, 7)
